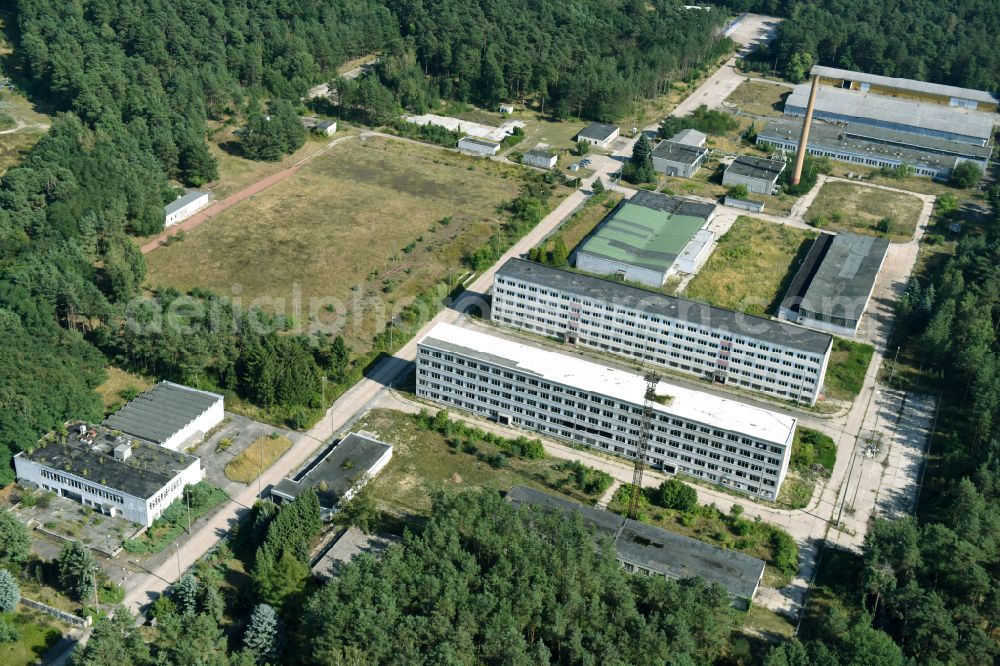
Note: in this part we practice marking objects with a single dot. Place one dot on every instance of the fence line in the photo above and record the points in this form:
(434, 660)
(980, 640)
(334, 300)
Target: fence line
(69, 618)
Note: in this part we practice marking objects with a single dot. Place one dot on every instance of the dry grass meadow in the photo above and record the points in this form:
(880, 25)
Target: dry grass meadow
(362, 227)
(759, 98)
(236, 172)
(119, 385)
(257, 457)
(751, 267)
(850, 207)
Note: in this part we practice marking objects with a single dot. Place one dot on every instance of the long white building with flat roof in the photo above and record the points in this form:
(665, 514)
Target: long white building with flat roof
(727, 442)
(111, 472)
(752, 353)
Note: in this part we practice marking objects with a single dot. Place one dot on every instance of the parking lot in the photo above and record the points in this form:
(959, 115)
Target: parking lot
(240, 432)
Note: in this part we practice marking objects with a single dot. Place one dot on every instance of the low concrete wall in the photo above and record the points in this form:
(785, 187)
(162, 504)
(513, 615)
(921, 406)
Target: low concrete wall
(63, 537)
(68, 618)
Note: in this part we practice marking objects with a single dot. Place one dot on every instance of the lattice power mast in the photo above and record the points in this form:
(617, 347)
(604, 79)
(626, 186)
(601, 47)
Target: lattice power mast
(642, 445)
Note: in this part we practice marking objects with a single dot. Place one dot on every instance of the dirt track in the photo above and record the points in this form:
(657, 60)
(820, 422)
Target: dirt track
(233, 199)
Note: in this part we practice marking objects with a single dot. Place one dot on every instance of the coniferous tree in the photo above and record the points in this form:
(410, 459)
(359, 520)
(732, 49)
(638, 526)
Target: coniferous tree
(261, 636)
(10, 592)
(15, 542)
(639, 168)
(184, 594)
(77, 571)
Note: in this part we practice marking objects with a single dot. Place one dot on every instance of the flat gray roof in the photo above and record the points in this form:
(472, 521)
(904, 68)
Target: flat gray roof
(157, 414)
(905, 113)
(845, 276)
(692, 137)
(655, 548)
(336, 470)
(90, 456)
(876, 141)
(671, 204)
(905, 84)
(182, 201)
(598, 131)
(683, 153)
(657, 303)
(540, 152)
(481, 141)
(756, 167)
(603, 522)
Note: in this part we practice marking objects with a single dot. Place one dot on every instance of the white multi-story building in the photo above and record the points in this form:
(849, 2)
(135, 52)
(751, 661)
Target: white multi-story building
(749, 352)
(723, 441)
(114, 473)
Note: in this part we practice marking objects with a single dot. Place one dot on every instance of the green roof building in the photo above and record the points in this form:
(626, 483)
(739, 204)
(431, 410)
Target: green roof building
(647, 238)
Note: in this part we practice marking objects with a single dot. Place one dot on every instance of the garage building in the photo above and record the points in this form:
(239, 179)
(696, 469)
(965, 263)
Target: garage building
(184, 207)
(541, 158)
(682, 160)
(832, 287)
(759, 175)
(338, 473)
(598, 134)
(171, 415)
(474, 144)
(642, 238)
(652, 551)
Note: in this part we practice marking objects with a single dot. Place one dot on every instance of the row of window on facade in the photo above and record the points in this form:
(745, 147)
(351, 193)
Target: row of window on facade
(75, 483)
(695, 433)
(809, 382)
(630, 315)
(858, 159)
(716, 473)
(554, 328)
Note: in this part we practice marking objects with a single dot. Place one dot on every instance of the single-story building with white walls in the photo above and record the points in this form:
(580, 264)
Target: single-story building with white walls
(171, 415)
(184, 207)
(598, 134)
(478, 146)
(338, 473)
(326, 128)
(541, 158)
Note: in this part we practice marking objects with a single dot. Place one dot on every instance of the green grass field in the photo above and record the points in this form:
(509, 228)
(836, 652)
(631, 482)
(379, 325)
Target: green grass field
(575, 228)
(845, 375)
(751, 267)
(236, 172)
(38, 631)
(422, 460)
(851, 207)
(813, 456)
(358, 230)
(583, 221)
